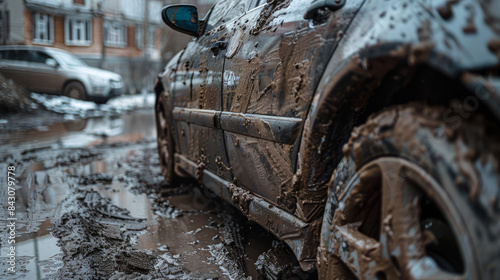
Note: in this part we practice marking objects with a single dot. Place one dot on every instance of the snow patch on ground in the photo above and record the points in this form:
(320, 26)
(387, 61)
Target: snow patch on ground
(75, 109)
(130, 102)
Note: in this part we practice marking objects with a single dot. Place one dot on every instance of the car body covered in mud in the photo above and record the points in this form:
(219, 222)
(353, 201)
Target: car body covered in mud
(362, 133)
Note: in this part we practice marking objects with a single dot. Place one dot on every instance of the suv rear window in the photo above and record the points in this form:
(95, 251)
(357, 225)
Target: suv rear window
(15, 55)
(24, 55)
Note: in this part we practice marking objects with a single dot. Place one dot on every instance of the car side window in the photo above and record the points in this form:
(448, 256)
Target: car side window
(21, 55)
(39, 57)
(226, 10)
(14, 55)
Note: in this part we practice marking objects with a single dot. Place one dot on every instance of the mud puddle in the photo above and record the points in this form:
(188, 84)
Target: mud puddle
(104, 212)
(91, 204)
(79, 133)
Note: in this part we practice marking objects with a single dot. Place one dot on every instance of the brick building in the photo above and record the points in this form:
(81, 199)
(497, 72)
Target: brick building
(124, 36)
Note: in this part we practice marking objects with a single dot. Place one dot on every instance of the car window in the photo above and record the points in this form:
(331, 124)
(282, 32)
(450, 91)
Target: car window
(8, 54)
(21, 55)
(69, 59)
(39, 57)
(226, 10)
(15, 55)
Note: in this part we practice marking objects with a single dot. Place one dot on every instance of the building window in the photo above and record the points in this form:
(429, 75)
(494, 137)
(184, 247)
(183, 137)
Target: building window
(77, 31)
(151, 37)
(43, 31)
(78, 2)
(116, 34)
(4, 26)
(138, 36)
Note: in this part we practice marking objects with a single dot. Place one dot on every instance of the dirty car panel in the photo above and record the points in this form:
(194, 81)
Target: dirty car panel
(247, 83)
(266, 97)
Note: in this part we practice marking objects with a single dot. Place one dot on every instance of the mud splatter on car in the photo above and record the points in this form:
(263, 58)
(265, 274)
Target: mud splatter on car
(274, 92)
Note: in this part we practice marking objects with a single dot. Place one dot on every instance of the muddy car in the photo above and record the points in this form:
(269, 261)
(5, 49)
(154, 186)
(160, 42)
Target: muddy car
(364, 134)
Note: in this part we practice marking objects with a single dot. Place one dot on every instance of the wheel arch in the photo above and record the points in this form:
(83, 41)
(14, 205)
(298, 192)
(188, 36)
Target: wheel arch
(374, 64)
(164, 87)
(67, 82)
(372, 68)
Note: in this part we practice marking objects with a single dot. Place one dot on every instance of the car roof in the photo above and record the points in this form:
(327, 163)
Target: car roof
(30, 47)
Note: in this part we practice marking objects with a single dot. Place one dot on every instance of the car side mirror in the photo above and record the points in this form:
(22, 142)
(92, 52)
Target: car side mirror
(183, 18)
(51, 62)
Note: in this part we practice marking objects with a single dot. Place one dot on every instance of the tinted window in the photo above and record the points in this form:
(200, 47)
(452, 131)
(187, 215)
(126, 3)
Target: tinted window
(39, 57)
(69, 59)
(15, 55)
(226, 10)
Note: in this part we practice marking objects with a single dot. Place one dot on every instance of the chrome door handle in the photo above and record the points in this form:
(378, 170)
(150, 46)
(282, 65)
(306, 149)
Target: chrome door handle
(332, 5)
(217, 46)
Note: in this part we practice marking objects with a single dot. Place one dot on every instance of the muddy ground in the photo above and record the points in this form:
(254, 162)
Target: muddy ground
(91, 204)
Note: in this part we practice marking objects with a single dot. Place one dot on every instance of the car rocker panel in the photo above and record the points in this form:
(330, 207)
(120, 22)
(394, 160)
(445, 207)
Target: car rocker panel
(293, 88)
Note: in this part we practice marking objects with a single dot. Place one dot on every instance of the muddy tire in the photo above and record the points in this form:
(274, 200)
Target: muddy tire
(279, 263)
(165, 140)
(75, 90)
(415, 197)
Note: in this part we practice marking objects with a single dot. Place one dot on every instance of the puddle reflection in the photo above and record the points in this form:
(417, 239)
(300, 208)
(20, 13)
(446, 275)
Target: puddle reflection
(176, 227)
(81, 133)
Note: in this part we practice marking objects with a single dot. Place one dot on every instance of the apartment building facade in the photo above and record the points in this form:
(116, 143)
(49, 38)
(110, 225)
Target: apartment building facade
(124, 36)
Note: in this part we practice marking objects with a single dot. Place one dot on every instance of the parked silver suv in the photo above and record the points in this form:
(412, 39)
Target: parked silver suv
(55, 71)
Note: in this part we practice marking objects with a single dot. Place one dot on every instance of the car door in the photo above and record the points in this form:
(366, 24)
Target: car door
(273, 62)
(14, 65)
(44, 78)
(197, 84)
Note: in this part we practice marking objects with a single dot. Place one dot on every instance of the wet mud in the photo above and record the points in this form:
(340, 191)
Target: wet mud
(104, 211)
(14, 98)
(460, 158)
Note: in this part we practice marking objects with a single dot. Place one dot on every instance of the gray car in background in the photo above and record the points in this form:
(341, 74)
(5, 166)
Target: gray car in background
(55, 71)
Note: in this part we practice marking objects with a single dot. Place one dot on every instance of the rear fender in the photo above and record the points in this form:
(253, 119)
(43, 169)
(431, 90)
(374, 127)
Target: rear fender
(380, 52)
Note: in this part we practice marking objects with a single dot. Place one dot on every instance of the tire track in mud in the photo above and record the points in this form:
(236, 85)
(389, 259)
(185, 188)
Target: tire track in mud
(113, 217)
(95, 238)
(100, 237)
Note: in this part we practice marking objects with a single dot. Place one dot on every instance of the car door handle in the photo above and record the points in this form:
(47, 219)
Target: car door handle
(332, 5)
(217, 46)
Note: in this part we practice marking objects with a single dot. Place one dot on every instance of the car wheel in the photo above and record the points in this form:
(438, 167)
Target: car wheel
(165, 140)
(75, 90)
(415, 197)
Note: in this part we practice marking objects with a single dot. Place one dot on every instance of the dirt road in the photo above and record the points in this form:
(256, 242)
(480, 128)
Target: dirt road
(91, 203)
